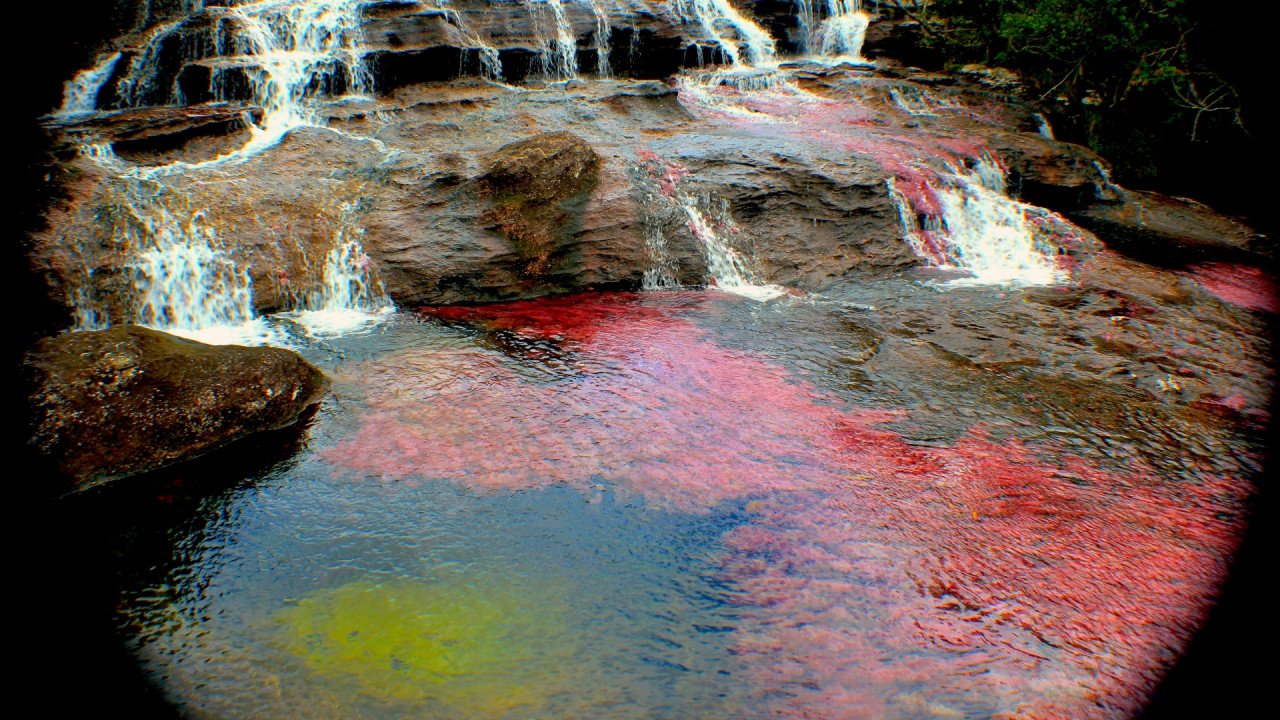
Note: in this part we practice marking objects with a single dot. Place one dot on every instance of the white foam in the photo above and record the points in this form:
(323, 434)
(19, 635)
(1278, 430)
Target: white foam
(79, 96)
(350, 298)
(735, 34)
(988, 233)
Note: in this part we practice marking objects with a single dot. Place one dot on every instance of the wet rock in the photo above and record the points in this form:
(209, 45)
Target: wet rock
(538, 216)
(1167, 231)
(536, 187)
(110, 403)
(1053, 174)
(807, 222)
(141, 132)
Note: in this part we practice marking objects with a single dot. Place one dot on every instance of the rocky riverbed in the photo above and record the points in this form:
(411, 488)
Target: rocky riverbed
(898, 406)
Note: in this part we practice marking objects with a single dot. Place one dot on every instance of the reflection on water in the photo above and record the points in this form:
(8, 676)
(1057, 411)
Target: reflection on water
(686, 504)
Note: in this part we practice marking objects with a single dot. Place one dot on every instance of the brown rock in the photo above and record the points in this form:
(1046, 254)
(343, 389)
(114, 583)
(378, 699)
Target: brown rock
(110, 403)
(1161, 229)
(537, 186)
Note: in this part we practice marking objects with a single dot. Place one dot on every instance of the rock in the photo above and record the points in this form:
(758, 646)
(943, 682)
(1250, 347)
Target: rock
(542, 215)
(110, 403)
(807, 222)
(536, 189)
(995, 77)
(1164, 230)
(1053, 174)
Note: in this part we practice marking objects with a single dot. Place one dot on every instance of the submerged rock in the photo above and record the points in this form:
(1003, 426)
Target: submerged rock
(110, 403)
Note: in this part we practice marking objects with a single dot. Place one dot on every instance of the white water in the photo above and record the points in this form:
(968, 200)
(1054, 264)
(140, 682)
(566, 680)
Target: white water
(293, 51)
(349, 297)
(1045, 129)
(559, 57)
(188, 286)
(844, 31)
(989, 233)
(741, 40)
(603, 34)
(728, 270)
(81, 92)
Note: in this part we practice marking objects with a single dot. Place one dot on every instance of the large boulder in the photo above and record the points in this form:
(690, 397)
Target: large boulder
(542, 215)
(110, 403)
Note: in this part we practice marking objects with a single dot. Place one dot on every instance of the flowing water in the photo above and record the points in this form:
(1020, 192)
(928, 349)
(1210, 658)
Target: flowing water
(977, 488)
(689, 504)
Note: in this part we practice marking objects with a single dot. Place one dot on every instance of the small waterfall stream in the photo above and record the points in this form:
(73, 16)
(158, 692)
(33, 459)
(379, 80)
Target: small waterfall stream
(349, 297)
(997, 239)
(292, 52)
(80, 96)
(710, 223)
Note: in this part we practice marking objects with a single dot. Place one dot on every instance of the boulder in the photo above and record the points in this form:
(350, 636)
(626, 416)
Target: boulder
(536, 186)
(542, 215)
(1053, 174)
(105, 404)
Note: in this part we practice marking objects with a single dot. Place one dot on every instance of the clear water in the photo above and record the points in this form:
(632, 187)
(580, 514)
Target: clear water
(689, 504)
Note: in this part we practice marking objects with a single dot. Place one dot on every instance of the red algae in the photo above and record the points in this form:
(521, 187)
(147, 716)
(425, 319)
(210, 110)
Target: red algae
(876, 578)
(1239, 285)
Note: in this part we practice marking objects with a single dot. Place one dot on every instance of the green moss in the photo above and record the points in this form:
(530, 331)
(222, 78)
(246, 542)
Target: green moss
(481, 647)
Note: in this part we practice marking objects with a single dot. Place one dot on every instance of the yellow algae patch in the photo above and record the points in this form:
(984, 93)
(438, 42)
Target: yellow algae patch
(472, 647)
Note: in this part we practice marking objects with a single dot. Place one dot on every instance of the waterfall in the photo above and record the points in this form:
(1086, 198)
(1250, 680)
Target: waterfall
(291, 52)
(844, 31)
(349, 297)
(727, 268)
(288, 52)
(997, 239)
(732, 31)
(1045, 129)
(80, 95)
(603, 34)
(186, 285)
(559, 56)
(708, 221)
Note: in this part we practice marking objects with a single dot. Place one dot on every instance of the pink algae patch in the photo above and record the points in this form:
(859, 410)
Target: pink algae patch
(622, 392)
(876, 578)
(1042, 589)
(1240, 285)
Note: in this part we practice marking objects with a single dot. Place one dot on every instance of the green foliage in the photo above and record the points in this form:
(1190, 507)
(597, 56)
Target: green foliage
(1122, 74)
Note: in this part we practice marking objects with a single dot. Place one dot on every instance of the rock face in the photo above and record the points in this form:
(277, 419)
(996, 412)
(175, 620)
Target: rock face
(458, 193)
(1162, 230)
(110, 403)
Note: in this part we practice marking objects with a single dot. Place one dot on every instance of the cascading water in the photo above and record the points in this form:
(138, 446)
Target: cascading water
(1045, 129)
(997, 239)
(727, 268)
(291, 52)
(286, 52)
(559, 57)
(602, 36)
(187, 285)
(734, 33)
(349, 297)
(80, 96)
(843, 32)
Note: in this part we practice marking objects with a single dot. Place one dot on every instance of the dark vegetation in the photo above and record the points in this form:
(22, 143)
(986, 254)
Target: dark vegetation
(1172, 92)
